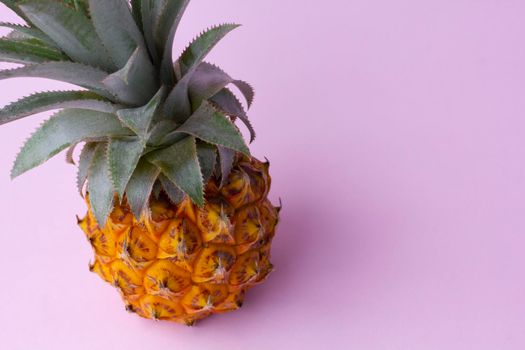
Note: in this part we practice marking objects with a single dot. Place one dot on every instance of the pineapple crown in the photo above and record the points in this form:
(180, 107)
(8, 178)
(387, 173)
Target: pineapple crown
(147, 123)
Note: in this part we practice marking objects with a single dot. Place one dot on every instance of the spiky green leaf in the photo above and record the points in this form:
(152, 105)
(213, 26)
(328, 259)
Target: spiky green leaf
(246, 89)
(70, 153)
(26, 51)
(140, 186)
(172, 191)
(209, 79)
(123, 156)
(69, 72)
(116, 28)
(139, 119)
(169, 15)
(228, 103)
(178, 105)
(211, 126)
(178, 102)
(207, 154)
(100, 189)
(227, 158)
(46, 101)
(199, 48)
(180, 164)
(148, 25)
(159, 132)
(30, 32)
(64, 129)
(16, 36)
(84, 163)
(70, 29)
(136, 83)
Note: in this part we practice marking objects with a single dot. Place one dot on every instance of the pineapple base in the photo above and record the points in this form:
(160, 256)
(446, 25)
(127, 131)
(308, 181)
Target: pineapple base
(183, 263)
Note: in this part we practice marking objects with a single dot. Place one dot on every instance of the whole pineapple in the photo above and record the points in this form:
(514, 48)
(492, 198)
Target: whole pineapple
(178, 214)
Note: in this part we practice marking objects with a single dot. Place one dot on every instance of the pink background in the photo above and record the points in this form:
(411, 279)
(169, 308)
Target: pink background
(396, 132)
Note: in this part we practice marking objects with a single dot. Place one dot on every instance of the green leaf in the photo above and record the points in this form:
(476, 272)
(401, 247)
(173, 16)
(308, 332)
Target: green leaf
(16, 36)
(84, 163)
(180, 164)
(207, 157)
(172, 191)
(123, 156)
(27, 52)
(69, 154)
(213, 127)
(148, 25)
(116, 28)
(228, 103)
(136, 83)
(29, 32)
(100, 188)
(209, 79)
(202, 45)
(177, 103)
(46, 101)
(69, 72)
(227, 158)
(70, 29)
(139, 119)
(246, 89)
(140, 186)
(160, 131)
(64, 129)
(169, 15)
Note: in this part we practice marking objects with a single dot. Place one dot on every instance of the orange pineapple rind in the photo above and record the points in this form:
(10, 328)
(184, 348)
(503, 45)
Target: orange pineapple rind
(183, 263)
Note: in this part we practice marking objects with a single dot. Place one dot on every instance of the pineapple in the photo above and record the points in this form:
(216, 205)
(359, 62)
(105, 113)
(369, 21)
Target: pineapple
(177, 209)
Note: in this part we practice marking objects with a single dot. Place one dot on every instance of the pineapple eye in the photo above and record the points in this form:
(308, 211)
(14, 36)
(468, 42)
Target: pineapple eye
(120, 219)
(159, 308)
(248, 228)
(236, 189)
(204, 298)
(246, 269)
(215, 223)
(166, 278)
(137, 246)
(213, 264)
(125, 278)
(180, 242)
(103, 242)
(160, 217)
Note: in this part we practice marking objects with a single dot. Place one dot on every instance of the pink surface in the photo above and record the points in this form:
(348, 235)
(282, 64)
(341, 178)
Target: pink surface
(396, 132)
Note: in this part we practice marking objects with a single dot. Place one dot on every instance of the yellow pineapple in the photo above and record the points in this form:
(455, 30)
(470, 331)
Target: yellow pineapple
(178, 211)
(180, 262)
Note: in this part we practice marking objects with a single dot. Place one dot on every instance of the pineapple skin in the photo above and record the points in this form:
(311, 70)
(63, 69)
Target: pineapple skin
(183, 263)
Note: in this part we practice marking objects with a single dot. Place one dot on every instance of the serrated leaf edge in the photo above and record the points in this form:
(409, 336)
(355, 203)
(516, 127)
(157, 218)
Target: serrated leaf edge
(198, 36)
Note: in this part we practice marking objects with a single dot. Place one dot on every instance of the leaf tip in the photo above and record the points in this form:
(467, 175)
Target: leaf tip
(13, 175)
(15, 170)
